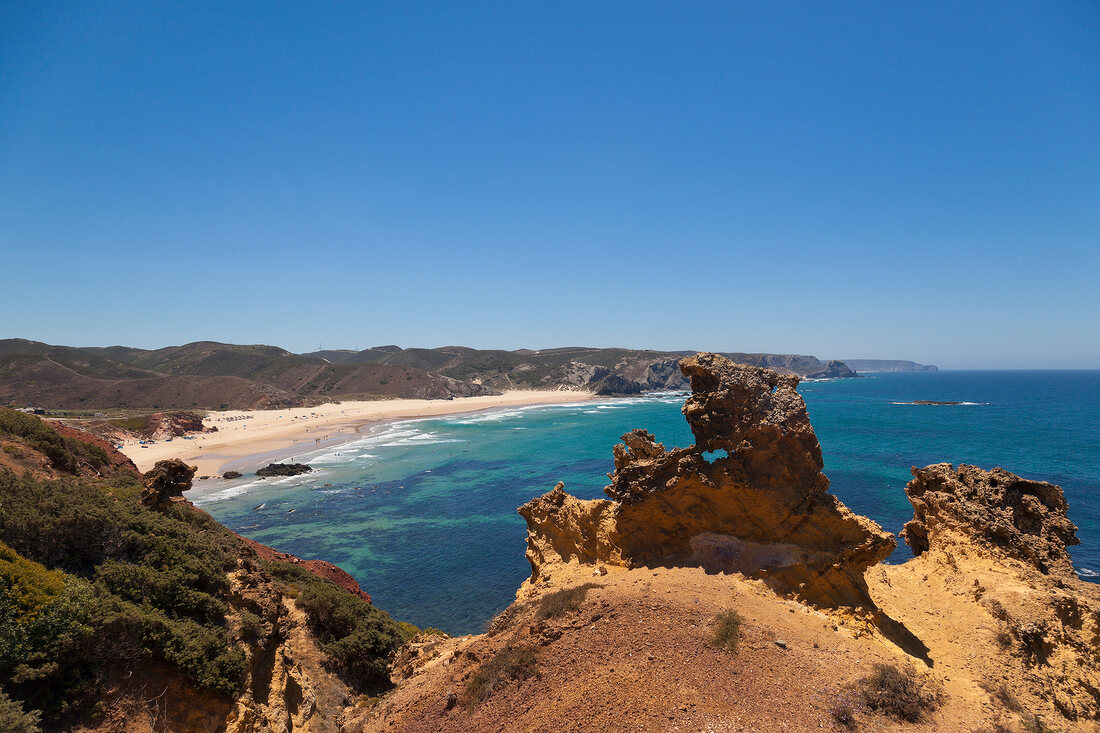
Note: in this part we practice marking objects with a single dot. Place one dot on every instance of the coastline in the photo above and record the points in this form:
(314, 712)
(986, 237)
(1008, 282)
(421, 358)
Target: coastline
(245, 435)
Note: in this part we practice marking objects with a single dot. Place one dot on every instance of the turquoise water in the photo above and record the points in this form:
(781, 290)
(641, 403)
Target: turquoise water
(422, 513)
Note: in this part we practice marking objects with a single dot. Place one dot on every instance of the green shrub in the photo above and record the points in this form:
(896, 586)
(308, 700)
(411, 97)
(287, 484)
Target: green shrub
(64, 454)
(358, 637)
(97, 456)
(204, 653)
(26, 587)
(561, 602)
(14, 720)
(510, 664)
(91, 580)
(726, 630)
(252, 628)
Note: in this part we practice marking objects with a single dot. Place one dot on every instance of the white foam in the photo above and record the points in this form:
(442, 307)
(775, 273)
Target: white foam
(1087, 573)
(494, 416)
(227, 493)
(419, 439)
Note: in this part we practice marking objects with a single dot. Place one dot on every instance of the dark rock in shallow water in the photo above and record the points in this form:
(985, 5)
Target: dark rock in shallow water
(232, 474)
(283, 469)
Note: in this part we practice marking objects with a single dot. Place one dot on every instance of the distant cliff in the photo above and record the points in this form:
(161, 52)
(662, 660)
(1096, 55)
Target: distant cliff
(210, 375)
(603, 371)
(889, 365)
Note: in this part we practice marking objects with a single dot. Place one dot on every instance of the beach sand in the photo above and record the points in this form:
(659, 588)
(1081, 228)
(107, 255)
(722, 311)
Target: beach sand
(244, 434)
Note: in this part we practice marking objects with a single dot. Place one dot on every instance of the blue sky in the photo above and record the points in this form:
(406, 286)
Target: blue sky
(891, 180)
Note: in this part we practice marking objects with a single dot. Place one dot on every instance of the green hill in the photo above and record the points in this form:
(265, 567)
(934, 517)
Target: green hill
(103, 597)
(212, 375)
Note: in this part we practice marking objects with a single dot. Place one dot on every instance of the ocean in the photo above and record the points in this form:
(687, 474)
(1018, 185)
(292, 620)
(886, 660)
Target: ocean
(423, 513)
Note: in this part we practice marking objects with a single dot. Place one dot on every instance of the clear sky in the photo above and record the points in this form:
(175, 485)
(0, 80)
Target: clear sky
(879, 179)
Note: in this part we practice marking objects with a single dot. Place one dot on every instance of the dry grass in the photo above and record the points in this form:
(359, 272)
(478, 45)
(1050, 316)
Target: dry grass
(1035, 724)
(899, 693)
(727, 630)
(561, 602)
(510, 664)
(1002, 695)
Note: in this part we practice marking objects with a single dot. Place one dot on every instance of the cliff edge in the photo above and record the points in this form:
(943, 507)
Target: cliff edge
(748, 497)
(720, 587)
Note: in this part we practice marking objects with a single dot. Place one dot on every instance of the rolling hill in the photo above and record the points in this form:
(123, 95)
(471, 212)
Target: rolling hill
(211, 375)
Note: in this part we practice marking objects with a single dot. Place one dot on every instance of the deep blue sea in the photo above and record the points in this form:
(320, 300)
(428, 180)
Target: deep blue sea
(422, 513)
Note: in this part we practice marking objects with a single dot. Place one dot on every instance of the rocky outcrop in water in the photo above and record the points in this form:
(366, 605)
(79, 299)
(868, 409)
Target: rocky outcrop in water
(749, 497)
(283, 469)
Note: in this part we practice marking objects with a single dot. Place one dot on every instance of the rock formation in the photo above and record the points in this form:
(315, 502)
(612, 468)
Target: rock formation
(991, 554)
(166, 482)
(283, 469)
(1008, 515)
(761, 509)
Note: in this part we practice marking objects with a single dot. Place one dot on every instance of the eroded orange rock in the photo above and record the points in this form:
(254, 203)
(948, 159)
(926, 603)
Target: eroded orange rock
(1008, 515)
(166, 482)
(761, 509)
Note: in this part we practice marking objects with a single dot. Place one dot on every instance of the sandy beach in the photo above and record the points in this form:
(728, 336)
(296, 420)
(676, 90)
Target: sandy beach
(242, 434)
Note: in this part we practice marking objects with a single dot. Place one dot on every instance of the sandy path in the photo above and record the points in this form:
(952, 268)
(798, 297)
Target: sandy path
(243, 433)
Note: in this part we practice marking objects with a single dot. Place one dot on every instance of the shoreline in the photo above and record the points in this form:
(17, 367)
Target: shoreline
(246, 436)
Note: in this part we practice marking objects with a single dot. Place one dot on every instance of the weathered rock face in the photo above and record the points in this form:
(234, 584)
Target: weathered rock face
(166, 482)
(761, 510)
(563, 528)
(287, 687)
(992, 562)
(998, 510)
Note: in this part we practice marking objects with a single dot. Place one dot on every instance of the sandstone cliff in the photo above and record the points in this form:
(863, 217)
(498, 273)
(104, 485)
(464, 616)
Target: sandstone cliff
(990, 608)
(993, 592)
(748, 497)
(987, 629)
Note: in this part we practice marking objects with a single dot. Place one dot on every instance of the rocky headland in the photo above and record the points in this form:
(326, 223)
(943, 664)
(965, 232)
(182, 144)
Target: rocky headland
(748, 497)
(889, 365)
(719, 587)
(621, 624)
(123, 607)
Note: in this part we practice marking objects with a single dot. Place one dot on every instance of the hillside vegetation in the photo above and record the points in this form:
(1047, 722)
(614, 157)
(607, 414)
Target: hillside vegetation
(210, 375)
(100, 595)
